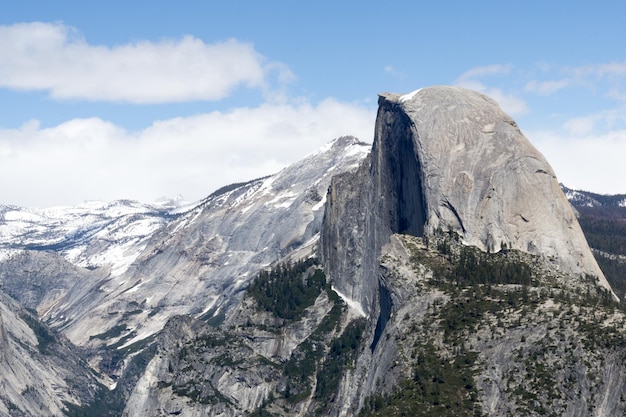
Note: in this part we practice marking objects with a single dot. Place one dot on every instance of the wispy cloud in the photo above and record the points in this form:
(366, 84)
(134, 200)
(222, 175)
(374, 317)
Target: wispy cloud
(482, 71)
(389, 69)
(509, 102)
(56, 58)
(592, 162)
(604, 78)
(613, 68)
(601, 121)
(546, 88)
(86, 159)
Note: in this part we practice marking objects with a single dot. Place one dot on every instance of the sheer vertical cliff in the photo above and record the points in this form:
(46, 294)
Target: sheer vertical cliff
(448, 162)
(484, 180)
(448, 159)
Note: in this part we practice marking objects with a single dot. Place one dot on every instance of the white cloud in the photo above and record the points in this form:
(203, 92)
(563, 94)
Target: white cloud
(478, 72)
(591, 162)
(55, 58)
(86, 159)
(580, 126)
(613, 68)
(601, 122)
(394, 72)
(545, 88)
(598, 77)
(511, 104)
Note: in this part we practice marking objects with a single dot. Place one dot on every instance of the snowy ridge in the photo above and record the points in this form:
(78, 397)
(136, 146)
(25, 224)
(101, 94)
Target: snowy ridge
(588, 199)
(146, 263)
(202, 258)
(579, 199)
(90, 235)
(409, 96)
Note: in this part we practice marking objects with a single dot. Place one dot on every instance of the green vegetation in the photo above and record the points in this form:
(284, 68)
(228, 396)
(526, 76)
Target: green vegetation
(491, 299)
(342, 354)
(103, 405)
(477, 267)
(469, 265)
(306, 359)
(615, 272)
(114, 331)
(605, 231)
(108, 403)
(438, 387)
(288, 289)
(299, 370)
(231, 187)
(605, 234)
(45, 338)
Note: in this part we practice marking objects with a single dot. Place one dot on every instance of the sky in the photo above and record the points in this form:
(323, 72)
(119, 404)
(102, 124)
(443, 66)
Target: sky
(150, 100)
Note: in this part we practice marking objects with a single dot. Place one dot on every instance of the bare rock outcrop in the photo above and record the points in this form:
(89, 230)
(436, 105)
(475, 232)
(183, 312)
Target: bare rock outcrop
(483, 179)
(449, 159)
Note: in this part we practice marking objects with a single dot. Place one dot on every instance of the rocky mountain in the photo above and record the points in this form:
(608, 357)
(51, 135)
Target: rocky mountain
(91, 235)
(42, 373)
(440, 271)
(581, 199)
(109, 276)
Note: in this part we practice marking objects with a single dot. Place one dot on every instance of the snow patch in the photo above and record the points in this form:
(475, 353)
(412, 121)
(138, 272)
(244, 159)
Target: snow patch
(22, 216)
(323, 149)
(283, 200)
(153, 326)
(266, 187)
(357, 149)
(248, 194)
(355, 305)
(489, 128)
(208, 307)
(409, 96)
(245, 209)
(320, 204)
(7, 254)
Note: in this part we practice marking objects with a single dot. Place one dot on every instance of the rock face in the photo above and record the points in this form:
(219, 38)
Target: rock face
(482, 178)
(496, 350)
(449, 159)
(199, 263)
(41, 374)
(113, 274)
(441, 273)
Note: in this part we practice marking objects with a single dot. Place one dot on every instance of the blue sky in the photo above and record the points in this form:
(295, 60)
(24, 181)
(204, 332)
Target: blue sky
(132, 100)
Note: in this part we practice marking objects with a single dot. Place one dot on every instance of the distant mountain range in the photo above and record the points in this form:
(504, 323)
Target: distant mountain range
(603, 219)
(586, 199)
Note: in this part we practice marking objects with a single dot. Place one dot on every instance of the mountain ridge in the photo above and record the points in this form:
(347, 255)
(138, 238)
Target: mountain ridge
(338, 286)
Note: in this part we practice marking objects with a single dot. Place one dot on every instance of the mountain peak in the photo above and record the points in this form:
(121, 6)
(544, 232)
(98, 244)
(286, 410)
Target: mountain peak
(449, 159)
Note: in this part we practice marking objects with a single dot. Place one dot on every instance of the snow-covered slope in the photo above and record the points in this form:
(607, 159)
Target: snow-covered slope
(580, 199)
(137, 265)
(93, 234)
(199, 262)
